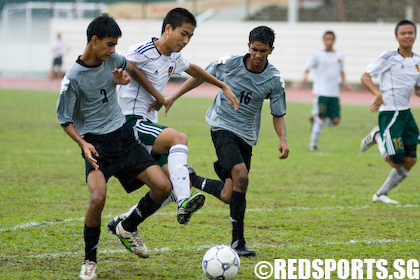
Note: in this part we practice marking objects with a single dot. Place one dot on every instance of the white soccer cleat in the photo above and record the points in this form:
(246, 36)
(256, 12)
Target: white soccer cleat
(133, 241)
(369, 140)
(383, 198)
(88, 270)
(313, 147)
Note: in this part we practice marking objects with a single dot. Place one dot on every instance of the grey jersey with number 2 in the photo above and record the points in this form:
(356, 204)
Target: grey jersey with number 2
(251, 89)
(88, 97)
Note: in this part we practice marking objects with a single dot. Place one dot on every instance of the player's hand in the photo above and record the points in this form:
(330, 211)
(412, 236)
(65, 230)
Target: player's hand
(374, 107)
(347, 86)
(154, 106)
(304, 80)
(168, 103)
(284, 149)
(232, 98)
(121, 76)
(90, 151)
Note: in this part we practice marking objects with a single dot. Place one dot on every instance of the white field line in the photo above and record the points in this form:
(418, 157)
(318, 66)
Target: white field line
(257, 246)
(48, 223)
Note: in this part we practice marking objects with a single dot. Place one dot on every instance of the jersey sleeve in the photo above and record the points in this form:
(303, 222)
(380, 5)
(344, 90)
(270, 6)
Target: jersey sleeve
(137, 58)
(377, 67)
(182, 64)
(213, 68)
(312, 63)
(278, 97)
(66, 102)
(120, 61)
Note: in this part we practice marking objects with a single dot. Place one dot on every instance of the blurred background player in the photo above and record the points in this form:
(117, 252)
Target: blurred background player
(89, 113)
(58, 48)
(329, 68)
(235, 132)
(397, 134)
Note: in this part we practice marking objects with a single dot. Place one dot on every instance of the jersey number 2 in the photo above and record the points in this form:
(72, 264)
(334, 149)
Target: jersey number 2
(103, 92)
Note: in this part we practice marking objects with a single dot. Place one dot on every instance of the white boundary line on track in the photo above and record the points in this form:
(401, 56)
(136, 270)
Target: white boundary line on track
(48, 223)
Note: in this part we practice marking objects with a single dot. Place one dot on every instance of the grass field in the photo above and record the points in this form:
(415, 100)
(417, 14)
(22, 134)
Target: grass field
(314, 205)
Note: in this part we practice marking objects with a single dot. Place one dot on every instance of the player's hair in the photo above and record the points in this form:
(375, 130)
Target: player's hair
(103, 26)
(405, 22)
(329, 32)
(177, 17)
(263, 34)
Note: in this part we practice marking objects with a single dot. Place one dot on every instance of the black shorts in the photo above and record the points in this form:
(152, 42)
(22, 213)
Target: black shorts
(58, 61)
(121, 156)
(231, 150)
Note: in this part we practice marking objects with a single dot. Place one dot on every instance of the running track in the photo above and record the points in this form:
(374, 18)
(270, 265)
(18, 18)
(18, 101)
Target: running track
(205, 90)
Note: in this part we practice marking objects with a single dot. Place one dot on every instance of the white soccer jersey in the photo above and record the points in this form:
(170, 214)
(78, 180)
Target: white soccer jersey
(399, 75)
(159, 68)
(328, 67)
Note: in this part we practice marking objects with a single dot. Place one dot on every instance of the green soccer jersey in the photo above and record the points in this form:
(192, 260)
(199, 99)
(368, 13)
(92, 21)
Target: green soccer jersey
(251, 89)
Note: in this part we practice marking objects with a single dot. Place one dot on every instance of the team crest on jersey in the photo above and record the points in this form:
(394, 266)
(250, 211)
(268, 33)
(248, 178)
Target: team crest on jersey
(417, 67)
(170, 71)
(339, 61)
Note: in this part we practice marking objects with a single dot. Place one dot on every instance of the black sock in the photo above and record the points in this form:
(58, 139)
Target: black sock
(210, 186)
(237, 214)
(145, 208)
(91, 242)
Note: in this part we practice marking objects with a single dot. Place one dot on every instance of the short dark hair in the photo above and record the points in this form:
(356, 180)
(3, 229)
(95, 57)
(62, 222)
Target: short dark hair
(103, 26)
(329, 32)
(405, 22)
(177, 17)
(263, 34)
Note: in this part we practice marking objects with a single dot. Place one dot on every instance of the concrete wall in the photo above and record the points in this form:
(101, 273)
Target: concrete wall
(361, 43)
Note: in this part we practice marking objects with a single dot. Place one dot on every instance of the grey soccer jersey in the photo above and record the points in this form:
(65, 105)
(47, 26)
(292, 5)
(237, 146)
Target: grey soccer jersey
(399, 75)
(251, 89)
(88, 97)
(158, 68)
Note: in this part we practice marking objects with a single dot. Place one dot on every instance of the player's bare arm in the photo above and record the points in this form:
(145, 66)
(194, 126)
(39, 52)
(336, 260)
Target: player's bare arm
(188, 85)
(370, 86)
(280, 128)
(200, 74)
(142, 80)
(121, 76)
(417, 90)
(88, 149)
(346, 85)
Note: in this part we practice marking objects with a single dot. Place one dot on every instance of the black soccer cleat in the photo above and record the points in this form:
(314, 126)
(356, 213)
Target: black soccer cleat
(240, 247)
(112, 225)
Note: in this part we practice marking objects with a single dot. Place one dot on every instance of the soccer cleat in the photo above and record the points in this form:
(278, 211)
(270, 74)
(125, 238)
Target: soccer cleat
(88, 270)
(132, 241)
(240, 247)
(369, 140)
(383, 198)
(112, 228)
(313, 147)
(189, 206)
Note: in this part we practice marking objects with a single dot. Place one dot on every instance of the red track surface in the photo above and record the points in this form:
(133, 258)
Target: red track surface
(205, 90)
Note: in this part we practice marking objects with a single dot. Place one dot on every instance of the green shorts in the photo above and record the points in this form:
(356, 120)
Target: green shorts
(399, 132)
(146, 133)
(327, 107)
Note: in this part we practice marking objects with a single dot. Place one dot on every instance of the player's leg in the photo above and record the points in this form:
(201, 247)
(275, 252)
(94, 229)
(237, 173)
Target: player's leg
(92, 228)
(318, 122)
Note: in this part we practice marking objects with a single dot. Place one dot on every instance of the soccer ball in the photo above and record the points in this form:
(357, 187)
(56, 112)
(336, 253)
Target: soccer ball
(221, 262)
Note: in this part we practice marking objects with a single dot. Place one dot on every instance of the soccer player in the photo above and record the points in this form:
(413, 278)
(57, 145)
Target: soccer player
(59, 47)
(234, 132)
(89, 113)
(397, 134)
(160, 59)
(329, 67)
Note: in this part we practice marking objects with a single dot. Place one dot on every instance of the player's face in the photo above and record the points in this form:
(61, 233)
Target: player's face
(180, 36)
(104, 48)
(329, 42)
(258, 55)
(406, 35)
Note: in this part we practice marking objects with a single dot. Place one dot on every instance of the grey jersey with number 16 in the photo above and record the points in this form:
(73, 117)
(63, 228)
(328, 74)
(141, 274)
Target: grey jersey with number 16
(251, 89)
(88, 97)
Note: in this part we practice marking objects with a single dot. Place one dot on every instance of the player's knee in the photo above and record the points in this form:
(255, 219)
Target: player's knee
(97, 200)
(241, 182)
(177, 137)
(335, 121)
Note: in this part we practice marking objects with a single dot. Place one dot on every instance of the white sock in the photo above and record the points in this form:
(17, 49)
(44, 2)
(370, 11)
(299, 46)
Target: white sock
(381, 146)
(316, 130)
(178, 172)
(171, 198)
(125, 215)
(395, 177)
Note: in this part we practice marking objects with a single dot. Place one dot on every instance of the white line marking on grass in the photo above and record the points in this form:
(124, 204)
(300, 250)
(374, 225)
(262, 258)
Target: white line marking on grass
(207, 246)
(338, 207)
